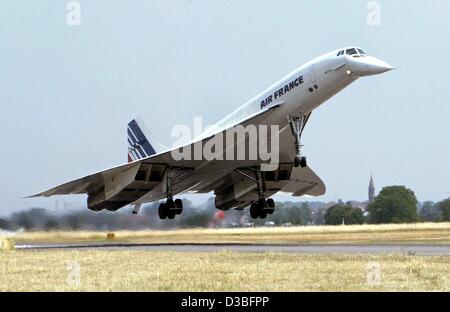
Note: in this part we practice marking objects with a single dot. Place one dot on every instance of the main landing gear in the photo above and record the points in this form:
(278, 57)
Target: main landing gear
(297, 125)
(171, 207)
(262, 207)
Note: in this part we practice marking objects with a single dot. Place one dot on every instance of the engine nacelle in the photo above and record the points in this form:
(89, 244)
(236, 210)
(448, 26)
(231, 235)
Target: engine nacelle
(109, 196)
(225, 199)
(233, 195)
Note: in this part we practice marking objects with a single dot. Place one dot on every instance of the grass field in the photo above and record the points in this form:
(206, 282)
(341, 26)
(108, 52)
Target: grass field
(222, 271)
(118, 270)
(426, 233)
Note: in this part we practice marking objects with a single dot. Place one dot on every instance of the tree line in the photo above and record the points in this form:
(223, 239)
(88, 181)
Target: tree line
(394, 204)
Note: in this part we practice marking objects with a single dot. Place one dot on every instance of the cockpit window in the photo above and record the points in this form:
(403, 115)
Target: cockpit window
(351, 51)
(355, 52)
(362, 52)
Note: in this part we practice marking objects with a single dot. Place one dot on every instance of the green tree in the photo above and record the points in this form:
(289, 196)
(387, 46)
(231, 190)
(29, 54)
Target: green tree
(430, 212)
(289, 213)
(319, 215)
(394, 204)
(5, 224)
(51, 224)
(444, 206)
(342, 212)
(23, 220)
(298, 215)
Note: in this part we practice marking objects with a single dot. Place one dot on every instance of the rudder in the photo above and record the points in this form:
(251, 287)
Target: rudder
(139, 145)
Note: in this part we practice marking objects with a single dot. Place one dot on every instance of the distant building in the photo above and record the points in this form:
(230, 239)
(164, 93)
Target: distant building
(371, 190)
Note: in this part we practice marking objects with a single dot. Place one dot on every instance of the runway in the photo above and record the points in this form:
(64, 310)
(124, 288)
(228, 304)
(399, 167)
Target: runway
(409, 249)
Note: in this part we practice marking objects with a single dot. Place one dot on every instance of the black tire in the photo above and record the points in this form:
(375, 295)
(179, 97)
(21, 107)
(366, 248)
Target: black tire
(296, 162)
(303, 162)
(171, 214)
(162, 211)
(178, 206)
(263, 214)
(270, 204)
(254, 211)
(170, 204)
(262, 204)
(178, 203)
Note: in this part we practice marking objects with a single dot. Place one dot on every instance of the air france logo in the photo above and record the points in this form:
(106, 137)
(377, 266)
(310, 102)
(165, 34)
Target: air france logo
(288, 87)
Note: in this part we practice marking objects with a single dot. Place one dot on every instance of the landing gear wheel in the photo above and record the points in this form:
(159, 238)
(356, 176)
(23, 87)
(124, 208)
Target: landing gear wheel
(171, 214)
(179, 206)
(179, 203)
(270, 203)
(262, 203)
(303, 163)
(254, 211)
(258, 209)
(162, 211)
(262, 213)
(170, 204)
(297, 162)
(300, 162)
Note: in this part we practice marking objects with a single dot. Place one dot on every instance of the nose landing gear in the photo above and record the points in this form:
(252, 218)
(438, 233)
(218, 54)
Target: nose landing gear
(300, 162)
(297, 125)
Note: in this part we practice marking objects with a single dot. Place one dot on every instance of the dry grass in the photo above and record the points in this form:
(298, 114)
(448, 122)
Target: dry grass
(223, 271)
(7, 244)
(394, 233)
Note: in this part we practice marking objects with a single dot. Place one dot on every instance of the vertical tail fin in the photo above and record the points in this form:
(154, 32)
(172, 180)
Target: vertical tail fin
(139, 145)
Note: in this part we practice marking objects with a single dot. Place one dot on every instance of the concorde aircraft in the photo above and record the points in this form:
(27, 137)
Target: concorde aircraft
(153, 173)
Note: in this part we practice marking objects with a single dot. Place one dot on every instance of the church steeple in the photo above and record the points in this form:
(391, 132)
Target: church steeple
(371, 189)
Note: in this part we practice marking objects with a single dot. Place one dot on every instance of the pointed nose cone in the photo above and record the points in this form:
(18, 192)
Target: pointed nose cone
(368, 66)
(377, 66)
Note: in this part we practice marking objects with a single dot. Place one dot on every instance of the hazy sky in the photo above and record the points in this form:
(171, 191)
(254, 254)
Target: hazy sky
(67, 92)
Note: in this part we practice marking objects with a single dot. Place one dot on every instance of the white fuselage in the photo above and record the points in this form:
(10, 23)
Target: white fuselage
(306, 88)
